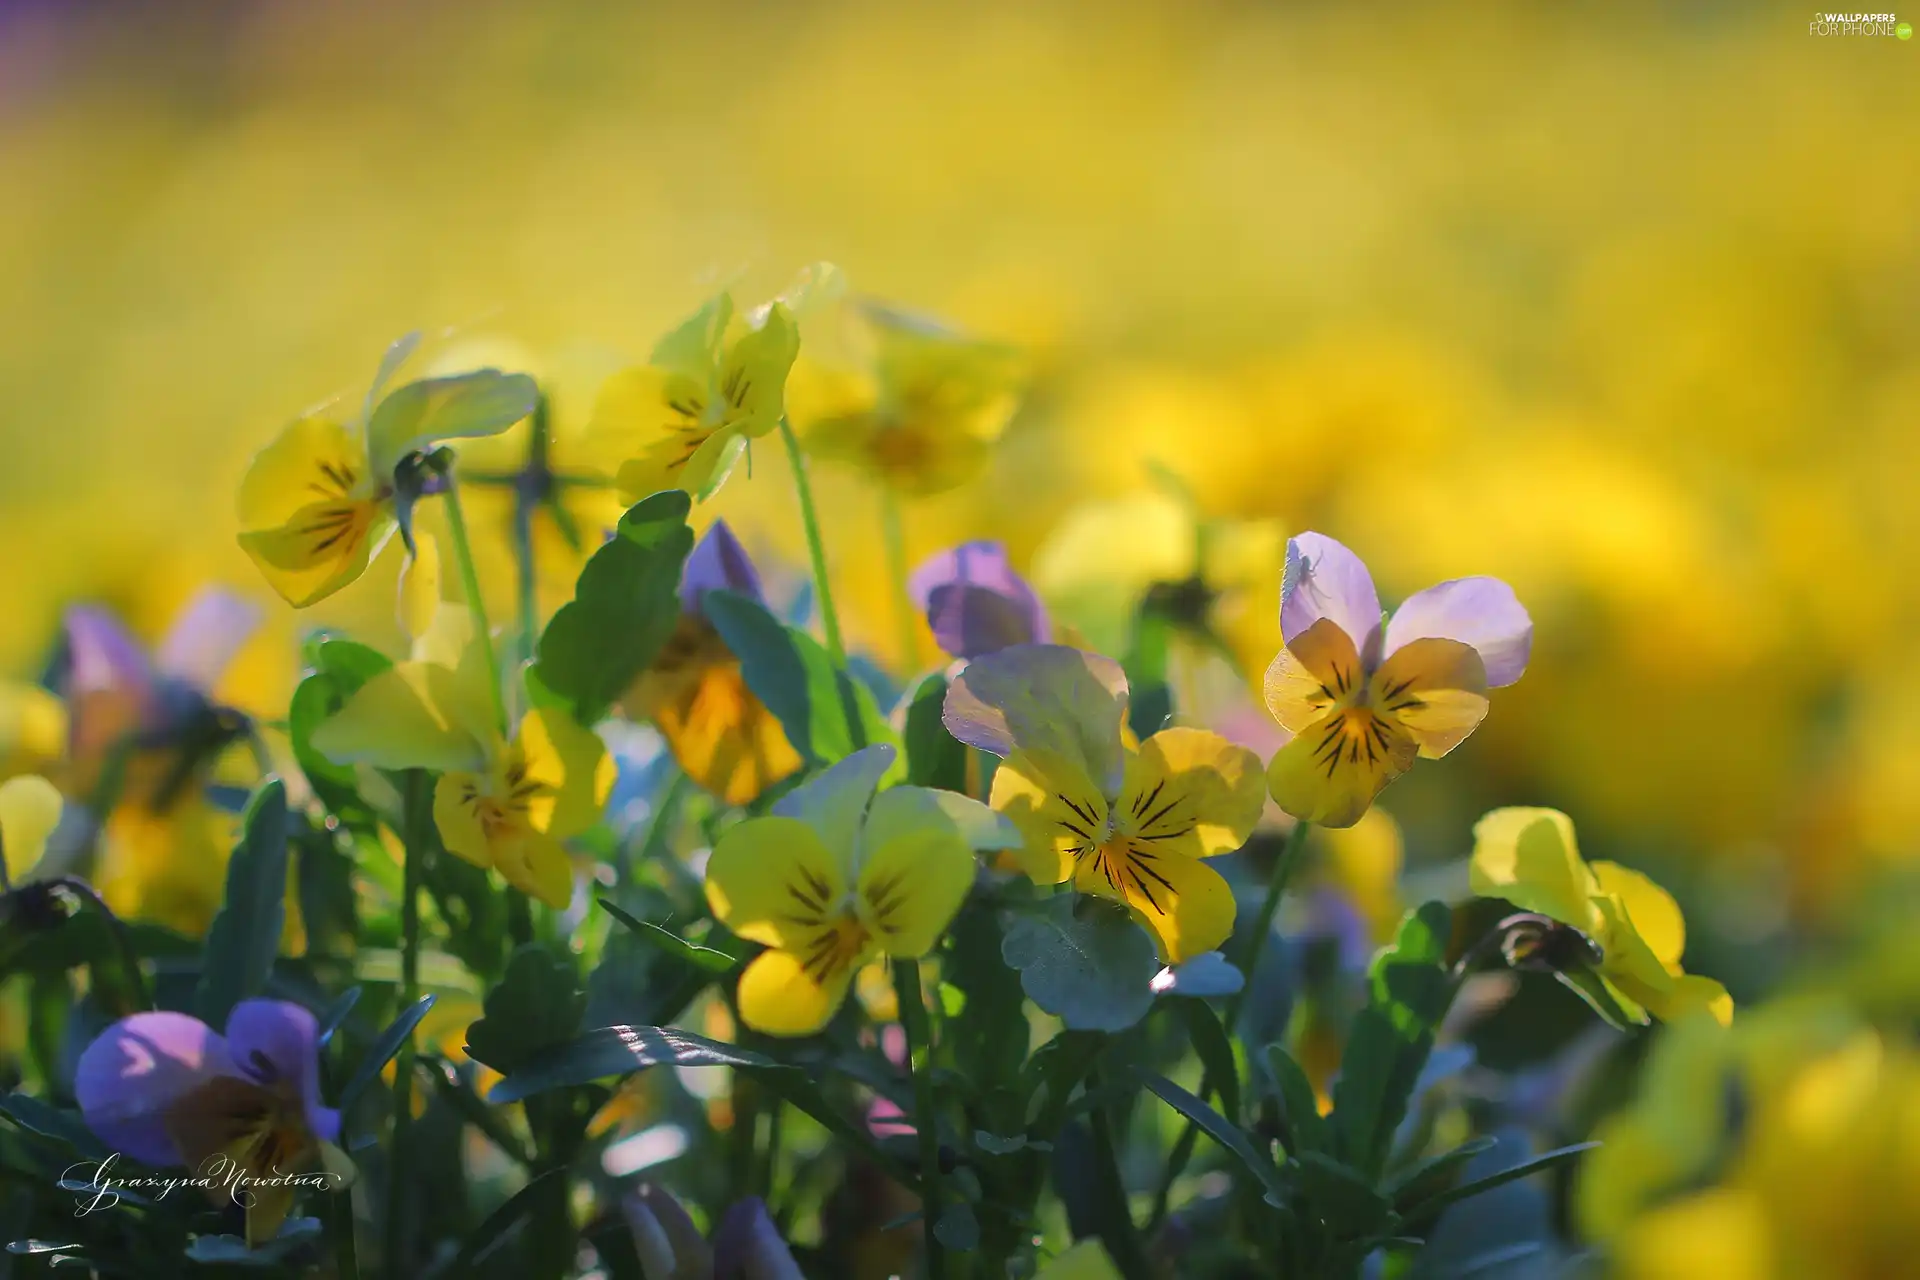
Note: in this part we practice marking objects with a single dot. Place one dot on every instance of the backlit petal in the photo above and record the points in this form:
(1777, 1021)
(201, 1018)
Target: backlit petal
(456, 813)
(1482, 612)
(201, 642)
(692, 349)
(1332, 771)
(899, 810)
(409, 716)
(420, 587)
(29, 811)
(126, 1080)
(912, 881)
(718, 563)
(1323, 579)
(570, 765)
(1436, 689)
(1318, 668)
(976, 603)
(1191, 793)
(781, 997)
(1529, 857)
(1047, 700)
(1654, 914)
(1058, 810)
(772, 881)
(834, 801)
(276, 1043)
(719, 732)
(753, 373)
(311, 460)
(538, 866)
(648, 423)
(321, 548)
(1182, 901)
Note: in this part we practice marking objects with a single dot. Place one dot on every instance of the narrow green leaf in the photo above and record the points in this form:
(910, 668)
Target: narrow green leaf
(383, 1051)
(1299, 1105)
(245, 935)
(67, 1127)
(1390, 1039)
(501, 1223)
(1430, 1208)
(1215, 1051)
(336, 1014)
(1428, 1177)
(1221, 1130)
(826, 713)
(672, 943)
(1341, 1197)
(618, 1051)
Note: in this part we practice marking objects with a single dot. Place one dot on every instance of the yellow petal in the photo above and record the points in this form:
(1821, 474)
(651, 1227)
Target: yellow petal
(1723, 1232)
(1057, 808)
(33, 728)
(780, 996)
(648, 423)
(413, 715)
(771, 880)
(1654, 915)
(311, 460)
(753, 375)
(1332, 771)
(1528, 856)
(723, 736)
(29, 811)
(1191, 793)
(1437, 689)
(572, 769)
(457, 799)
(420, 587)
(322, 548)
(1183, 902)
(1308, 677)
(914, 877)
(692, 350)
(538, 866)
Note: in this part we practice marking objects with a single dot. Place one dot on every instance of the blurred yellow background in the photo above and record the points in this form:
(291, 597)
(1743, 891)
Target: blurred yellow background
(1614, 302)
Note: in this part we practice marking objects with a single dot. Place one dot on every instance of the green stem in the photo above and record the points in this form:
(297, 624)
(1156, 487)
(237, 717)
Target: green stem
(523, 507)
(346, 1249)
(816, 548)
(1122, 1238)
(913, 1021)
(470, 583)
(893, 534)
(416, 819)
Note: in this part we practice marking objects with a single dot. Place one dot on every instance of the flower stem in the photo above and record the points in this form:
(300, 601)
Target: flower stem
(470, 583)
(816, 548)
(526, 496)
(416, 820)
(1121, 1237)
(893, 534)
(913, 1021)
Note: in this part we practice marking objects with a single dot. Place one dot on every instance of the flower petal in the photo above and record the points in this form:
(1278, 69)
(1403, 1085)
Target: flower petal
(1529, 857)
(1323, 579)
(571, 765)
(204, 638)
(780, 996)
(322, 548)
(538, 866)
(976, 603)
(412, 715)
(128, 1079)
(719, 732)
(1332, 771)
(1190, 793)
(1047, 700)
(834, 801)
(29, 811)
(1482, 612)
(1182, 901)
(718, 563)
(1318, 668)
(1436, 689)
(753, 373)
(420, 587)
(456, 813)
(276, 1043)
(648, 424)
(692, 350)
(1057, 809)
(1650, 910)
(310, 459)
(772, 881)
(915, 874)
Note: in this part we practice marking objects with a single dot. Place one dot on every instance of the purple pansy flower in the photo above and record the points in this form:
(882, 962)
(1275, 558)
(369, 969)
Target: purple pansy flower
(1363, 699)
(718, 563)
(976, 603)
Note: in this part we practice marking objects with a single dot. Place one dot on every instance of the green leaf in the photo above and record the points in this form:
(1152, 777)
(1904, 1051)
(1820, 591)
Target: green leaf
(1430, 1176)
(1083, 961)
(383, 1051)
(340, 668)
(995, 1145)
(1428, 1209)
(958, 1229)
(65, 1127)
(1592, 988)
(624, 607)
(616, 1051)
(1222, 1131)
(418, 414)
(826, 713)
(1299, 1105)
(673, 944)
(336, 1014)
(1341, 1198)
(475, 911)
(935, 758)
(245, 935)
(501, 1223)
(1214, 1049)
(296, 1235)
(536, 1007)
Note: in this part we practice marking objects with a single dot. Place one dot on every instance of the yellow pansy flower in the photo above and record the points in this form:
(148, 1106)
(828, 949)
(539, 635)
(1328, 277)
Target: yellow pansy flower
(1127, 823)
(29, 811)
(696, 694)
(317, 505)
(1529, 858)
(509, 803)
(682, 419)
(838, 876)
(1364, 699)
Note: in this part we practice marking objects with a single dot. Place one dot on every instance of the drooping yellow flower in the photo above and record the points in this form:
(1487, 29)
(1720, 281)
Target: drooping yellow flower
(317, 504)
(695, 691)
(29, 811)
(838, 876)
(1125, 823)
(509, 803)
(681, 420)
(1528, 857)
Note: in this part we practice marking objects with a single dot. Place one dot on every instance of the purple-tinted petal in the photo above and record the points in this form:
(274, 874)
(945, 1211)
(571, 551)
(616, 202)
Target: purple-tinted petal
(720, 563)
(1482, 612)
(976, 603)
(747, 1246)
(103, 656)
(139, 1067)
(1323, 579)
(667, 1240)
(204, 638)
(834, 801)
(1048, 699)
(277, 1044)
(1332, 915)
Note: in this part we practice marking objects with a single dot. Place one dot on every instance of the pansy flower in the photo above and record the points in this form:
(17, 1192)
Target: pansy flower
(318, 504)
(1528, 857)
(976, 603)
(508, 803)
(838, 876)
(719, 732)
(1125, 823)
(682, 419)
(168, 1090)
(29, 811)
(1364, 700)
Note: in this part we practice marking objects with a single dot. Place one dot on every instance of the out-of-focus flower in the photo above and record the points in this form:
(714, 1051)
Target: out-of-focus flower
(166, 1089)
(1087, 1260)
(976, 602)
(29, 811)
(719, 732)
(33, 729)
(839, 875)
(509, 803)
(1128, 824)
(746, 1244)
(1529, 858)
(681, 420)
(318, 503)
(1365, 700)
